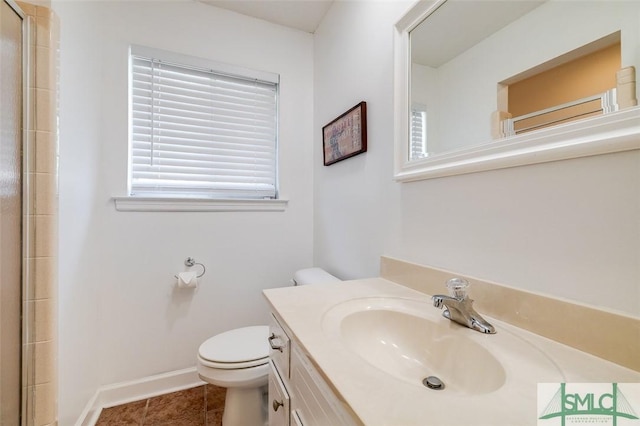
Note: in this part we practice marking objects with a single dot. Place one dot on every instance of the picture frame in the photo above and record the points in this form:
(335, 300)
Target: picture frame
(345, 136)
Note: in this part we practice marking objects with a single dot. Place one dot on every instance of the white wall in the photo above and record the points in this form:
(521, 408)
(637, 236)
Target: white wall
(120, 317)
(569, 228)
(353, 199)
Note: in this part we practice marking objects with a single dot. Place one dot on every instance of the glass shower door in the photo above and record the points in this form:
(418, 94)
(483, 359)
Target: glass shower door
(11, 124)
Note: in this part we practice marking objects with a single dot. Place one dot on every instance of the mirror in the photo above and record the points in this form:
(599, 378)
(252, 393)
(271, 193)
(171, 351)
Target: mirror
(493, 84)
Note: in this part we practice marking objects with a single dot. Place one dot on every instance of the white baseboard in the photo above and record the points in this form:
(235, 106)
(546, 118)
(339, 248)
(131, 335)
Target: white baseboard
(135, 390)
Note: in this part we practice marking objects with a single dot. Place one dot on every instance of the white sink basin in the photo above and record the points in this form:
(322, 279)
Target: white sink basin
(409, 340)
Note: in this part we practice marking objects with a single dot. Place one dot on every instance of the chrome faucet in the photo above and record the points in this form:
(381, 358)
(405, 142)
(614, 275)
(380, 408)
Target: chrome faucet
(459, 307)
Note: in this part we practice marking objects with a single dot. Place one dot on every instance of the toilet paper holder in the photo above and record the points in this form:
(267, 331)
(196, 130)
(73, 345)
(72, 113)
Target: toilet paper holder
(190, 261)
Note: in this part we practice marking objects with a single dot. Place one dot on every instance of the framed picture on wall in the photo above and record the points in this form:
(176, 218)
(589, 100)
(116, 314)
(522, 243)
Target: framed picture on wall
(345, 136)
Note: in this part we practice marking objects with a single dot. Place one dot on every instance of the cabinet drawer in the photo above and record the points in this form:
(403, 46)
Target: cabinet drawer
(280, 345)
(278, 405)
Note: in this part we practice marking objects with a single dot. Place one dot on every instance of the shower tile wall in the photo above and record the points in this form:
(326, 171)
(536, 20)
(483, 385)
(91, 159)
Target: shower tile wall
(41, 219)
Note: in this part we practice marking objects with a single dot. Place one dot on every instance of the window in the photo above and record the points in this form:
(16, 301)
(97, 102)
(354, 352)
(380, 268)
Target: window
(200, 129)
(418, 143)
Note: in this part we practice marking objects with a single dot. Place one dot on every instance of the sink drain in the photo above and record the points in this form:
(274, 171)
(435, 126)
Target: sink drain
(432, 382)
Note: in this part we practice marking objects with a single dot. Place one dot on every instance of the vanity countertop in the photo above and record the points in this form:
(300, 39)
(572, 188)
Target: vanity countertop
(377, 398)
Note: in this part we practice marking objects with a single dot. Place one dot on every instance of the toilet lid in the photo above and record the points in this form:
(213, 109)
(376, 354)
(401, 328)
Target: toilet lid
(239, 345)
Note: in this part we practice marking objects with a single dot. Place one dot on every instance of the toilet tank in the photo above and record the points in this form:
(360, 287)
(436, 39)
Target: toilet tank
(313, 276)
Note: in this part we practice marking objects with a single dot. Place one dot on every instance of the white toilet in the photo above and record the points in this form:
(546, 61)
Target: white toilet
(239, 361)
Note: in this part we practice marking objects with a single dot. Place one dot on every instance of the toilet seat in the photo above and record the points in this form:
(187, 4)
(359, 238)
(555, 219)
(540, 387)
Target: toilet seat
(239, 361)
(236, 349)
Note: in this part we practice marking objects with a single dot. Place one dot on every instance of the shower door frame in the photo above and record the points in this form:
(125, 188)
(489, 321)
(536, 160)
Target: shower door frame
(26, 358)
(27, 349)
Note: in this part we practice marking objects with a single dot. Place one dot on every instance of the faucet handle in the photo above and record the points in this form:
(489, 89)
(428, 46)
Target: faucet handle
(458, 287)
(437, 301)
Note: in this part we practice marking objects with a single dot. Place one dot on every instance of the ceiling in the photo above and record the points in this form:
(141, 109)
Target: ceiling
(303, 15)
(436, 41)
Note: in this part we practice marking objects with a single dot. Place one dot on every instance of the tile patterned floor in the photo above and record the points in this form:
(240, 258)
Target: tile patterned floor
(201, 406)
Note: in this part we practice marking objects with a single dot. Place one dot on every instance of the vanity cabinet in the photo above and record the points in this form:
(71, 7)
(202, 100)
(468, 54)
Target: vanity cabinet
(313, 402)
(298, 395)
(278, 404)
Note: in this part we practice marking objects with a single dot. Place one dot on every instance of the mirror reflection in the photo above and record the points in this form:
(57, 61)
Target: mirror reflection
(485, 70)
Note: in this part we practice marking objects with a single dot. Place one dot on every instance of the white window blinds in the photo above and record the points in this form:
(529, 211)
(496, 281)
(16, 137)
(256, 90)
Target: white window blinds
(418, 146)
(201, 132)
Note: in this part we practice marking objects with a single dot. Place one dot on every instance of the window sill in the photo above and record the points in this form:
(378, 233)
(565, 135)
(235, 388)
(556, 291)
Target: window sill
(161, 204)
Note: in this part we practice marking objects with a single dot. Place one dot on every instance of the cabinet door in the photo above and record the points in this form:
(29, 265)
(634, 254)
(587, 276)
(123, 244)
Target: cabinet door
(278, 399)
(295, 419)
(313, 403)
(280, 344)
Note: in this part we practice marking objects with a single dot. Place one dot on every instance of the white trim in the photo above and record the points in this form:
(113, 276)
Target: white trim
(136, 390)
(91, 412)
(614, 132)
(402, 78)
(203, 63)
(163, 204)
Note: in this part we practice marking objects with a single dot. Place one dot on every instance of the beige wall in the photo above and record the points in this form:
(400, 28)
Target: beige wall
(40, 297)
(586, 76)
